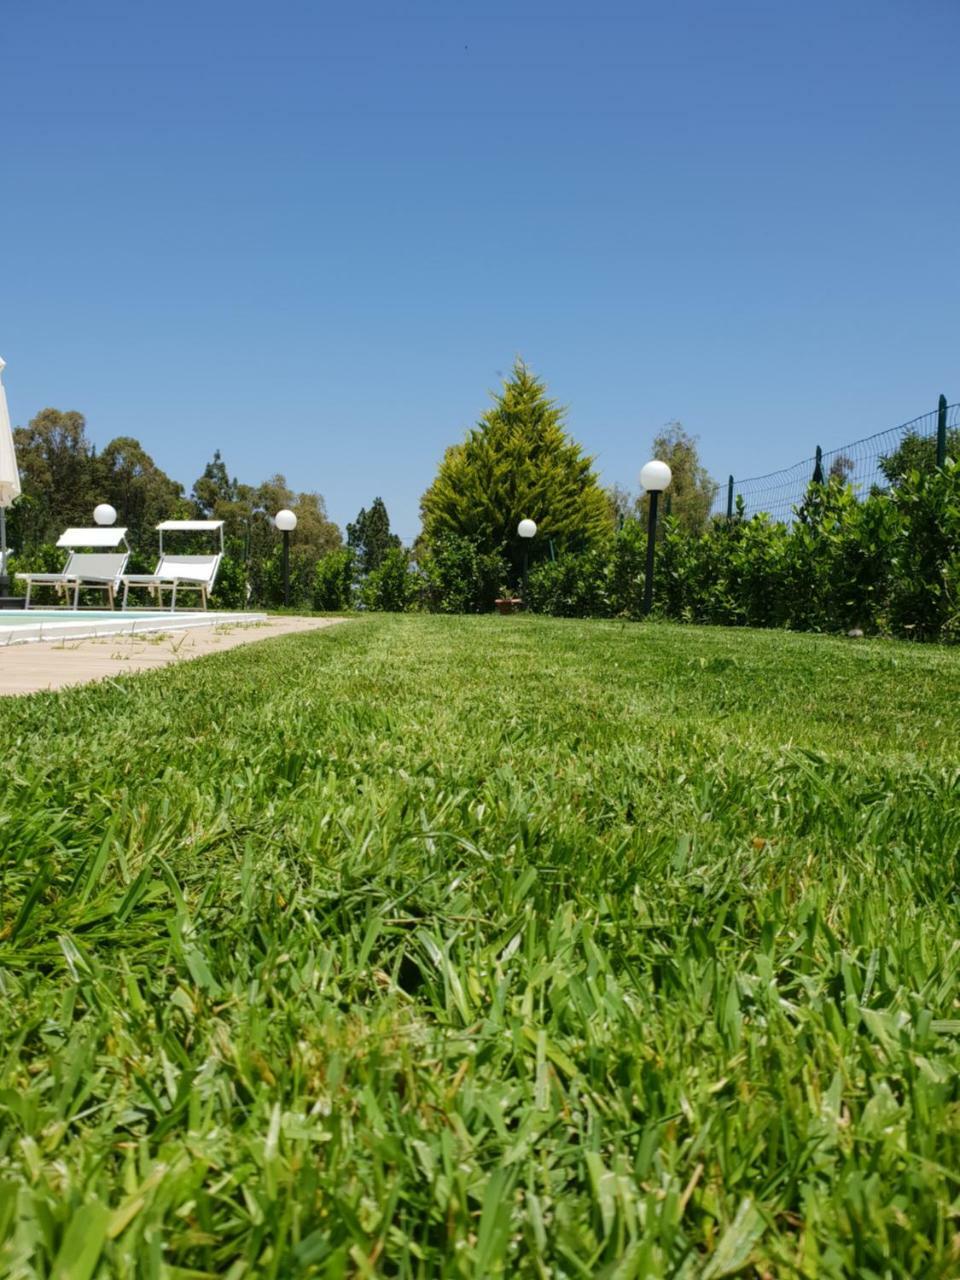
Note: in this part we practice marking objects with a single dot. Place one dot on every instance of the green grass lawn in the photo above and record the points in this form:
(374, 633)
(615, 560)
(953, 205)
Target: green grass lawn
(475, 947)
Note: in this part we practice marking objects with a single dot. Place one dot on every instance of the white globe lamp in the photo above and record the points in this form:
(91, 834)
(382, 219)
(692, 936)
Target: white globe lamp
(655, 476)
(104, 514)
(285, 521)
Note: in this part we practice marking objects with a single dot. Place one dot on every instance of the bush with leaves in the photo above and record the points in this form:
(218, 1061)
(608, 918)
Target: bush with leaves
(627, 568)
(758, 554)
(460, 578)
(303, 569)
(925, 571)
(45, 558)
(333, 581)
(571, 586)
(828, 571)
(391, 587)
(816, 538)
(739, 572)
(230, 591)
(888, 563)
(861, 556)
(917, 453)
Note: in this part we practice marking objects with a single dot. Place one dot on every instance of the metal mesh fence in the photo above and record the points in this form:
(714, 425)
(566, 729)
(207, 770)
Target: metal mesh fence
(861, 462)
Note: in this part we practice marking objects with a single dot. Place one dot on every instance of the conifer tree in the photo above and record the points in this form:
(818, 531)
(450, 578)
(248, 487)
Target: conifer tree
(517, 463)
(370, 537)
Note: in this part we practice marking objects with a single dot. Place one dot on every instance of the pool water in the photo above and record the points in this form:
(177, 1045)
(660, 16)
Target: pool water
(19, 626)
(16, 617)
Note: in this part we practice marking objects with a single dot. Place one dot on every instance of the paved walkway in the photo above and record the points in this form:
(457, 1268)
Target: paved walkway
(27, 668)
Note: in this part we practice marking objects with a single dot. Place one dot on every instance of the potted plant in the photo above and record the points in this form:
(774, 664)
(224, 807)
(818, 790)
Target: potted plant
(507, 601)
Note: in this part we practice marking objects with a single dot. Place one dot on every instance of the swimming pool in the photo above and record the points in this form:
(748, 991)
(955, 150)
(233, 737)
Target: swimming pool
(22, 626)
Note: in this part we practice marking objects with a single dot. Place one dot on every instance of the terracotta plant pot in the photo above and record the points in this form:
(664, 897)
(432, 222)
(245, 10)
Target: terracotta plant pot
(510, 605)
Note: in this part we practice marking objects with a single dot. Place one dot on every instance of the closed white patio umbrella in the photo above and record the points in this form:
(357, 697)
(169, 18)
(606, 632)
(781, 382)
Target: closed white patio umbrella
(9, 478)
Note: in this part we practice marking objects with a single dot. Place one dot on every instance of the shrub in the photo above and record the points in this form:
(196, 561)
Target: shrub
(231, 590)
(572, 586)
(627, 567)
(303, 565)
(391, 587)
(333, 581)
(862, 553)
(743, 576)
(460, 578)
(815, 545)
(925, 570)
(828, 571)
(889, 562)
(43, 559)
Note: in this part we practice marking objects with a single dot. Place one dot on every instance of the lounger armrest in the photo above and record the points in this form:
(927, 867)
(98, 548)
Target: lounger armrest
(47, 577)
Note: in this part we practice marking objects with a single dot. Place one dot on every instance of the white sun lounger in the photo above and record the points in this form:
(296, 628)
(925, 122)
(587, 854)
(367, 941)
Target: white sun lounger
(98, 570)
(176, 572)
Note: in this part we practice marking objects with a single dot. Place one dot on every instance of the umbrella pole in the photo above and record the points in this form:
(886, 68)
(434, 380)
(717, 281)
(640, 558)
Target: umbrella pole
(4, 580)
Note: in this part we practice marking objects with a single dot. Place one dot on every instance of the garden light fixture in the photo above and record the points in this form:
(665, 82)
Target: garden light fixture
(655, 476)
(286, 522)
(526, 529)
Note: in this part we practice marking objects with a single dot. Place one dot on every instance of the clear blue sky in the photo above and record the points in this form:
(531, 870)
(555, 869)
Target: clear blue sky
(313, 234)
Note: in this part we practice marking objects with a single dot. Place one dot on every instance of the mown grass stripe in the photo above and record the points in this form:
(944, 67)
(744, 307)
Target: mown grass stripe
(446, 947)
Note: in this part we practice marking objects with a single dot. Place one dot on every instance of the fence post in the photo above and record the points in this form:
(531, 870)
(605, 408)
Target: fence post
(730, 498)
(942, 431)
(818, 469)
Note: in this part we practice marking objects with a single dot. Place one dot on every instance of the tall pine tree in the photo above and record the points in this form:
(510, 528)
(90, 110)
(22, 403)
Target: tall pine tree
(518, 463)
(370, 537)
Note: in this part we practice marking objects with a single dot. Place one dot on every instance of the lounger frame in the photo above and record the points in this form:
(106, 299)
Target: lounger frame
(176, 572)
(98, 570)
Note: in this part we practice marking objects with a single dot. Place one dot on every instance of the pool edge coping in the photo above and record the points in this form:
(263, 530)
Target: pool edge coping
(47, 631)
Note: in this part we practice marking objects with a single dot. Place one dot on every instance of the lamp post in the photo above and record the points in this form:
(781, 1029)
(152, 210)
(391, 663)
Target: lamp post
(104, 514)
(526, 529)
(655, 476)
(286, 522)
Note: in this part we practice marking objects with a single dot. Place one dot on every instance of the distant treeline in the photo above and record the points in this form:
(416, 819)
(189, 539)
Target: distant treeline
(886, 562)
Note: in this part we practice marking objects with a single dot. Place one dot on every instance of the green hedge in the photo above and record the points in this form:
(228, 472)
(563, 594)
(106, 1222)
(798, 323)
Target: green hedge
(457, 577)
(392, 587)
(888, 563)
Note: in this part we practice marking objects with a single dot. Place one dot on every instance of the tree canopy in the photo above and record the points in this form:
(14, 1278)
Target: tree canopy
(370, 537)
(127, 477)
(64, 478)
(842, 467)
(213, 487)
(56, 462)
(518, 462)
(917, 453)
(692, 489)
